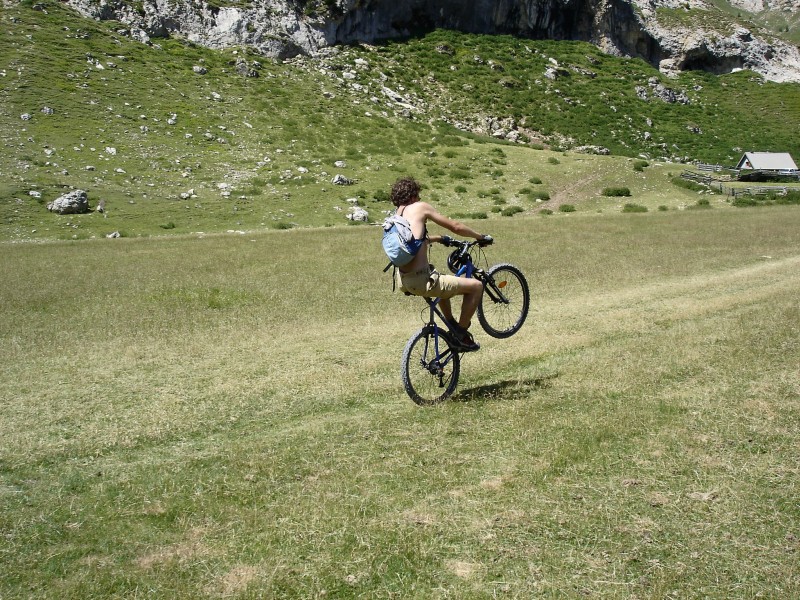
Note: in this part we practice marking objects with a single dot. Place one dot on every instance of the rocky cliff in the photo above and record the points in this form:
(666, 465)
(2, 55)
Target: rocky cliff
(670, 34)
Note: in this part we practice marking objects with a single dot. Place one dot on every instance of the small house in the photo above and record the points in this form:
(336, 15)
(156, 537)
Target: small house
(774, 162)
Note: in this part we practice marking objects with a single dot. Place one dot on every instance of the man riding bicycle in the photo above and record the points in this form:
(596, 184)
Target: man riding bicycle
(419, 278)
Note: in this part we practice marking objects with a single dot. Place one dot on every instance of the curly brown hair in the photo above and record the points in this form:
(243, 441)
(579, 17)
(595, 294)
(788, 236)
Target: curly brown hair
(404, 191)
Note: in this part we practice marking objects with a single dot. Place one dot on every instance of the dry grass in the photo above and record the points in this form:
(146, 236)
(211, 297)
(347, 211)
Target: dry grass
(223, 417)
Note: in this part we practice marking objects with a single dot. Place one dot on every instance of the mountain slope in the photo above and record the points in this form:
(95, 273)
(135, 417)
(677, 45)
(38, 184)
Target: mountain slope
(177, 138)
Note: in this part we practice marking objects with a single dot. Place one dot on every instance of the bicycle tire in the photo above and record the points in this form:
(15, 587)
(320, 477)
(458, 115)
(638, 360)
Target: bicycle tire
(428, 378)
(505, 301)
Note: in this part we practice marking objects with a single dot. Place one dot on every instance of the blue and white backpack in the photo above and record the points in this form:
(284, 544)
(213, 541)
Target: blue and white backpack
(398, 241)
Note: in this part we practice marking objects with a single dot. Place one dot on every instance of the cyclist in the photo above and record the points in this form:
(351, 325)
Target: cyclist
(420, 278)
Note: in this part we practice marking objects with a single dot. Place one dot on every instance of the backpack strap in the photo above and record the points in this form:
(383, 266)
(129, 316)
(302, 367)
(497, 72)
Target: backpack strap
(394, 275)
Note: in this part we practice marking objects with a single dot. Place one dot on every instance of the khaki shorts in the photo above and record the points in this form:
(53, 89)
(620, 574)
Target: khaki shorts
(428, 282)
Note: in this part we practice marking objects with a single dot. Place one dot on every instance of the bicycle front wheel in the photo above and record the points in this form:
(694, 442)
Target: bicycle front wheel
(505, 301)
(430, 366)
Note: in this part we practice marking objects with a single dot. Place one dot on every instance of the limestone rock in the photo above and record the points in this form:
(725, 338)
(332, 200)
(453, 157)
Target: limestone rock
(358, 214)
(75, 202)
(287, 28)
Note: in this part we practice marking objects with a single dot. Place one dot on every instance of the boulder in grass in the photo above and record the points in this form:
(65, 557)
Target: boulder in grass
(75, 202)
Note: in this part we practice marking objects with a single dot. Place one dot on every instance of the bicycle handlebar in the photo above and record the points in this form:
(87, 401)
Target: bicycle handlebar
(446, 240)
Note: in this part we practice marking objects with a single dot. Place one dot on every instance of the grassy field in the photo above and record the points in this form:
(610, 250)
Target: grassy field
(222, 416)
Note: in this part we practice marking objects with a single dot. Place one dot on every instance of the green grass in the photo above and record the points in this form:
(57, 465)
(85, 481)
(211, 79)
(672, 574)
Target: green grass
(222, 416)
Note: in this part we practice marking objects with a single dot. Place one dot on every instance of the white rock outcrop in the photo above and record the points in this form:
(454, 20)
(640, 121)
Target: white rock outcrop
(285, 28)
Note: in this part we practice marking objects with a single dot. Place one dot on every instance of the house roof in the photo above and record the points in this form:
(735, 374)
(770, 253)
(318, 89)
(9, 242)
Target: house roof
(767, 161)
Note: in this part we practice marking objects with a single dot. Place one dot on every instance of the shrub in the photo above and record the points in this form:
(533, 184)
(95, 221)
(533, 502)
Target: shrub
(616, 192)
(541, 195)
(663, 208)
(701, 204)
(789, 198)
(460, 189)
(285, 225)
(553, 160)
(639, 165)
(511, 211)
(460, 173)
(169, 225)
(381, 196)
(688, 184)
(473, 215)
(634, 208)
(450, 153)
(545, 212)
(535, 180)
(567, 208)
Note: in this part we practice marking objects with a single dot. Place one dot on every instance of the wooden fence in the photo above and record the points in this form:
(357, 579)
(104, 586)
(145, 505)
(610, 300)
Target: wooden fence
(715, 183)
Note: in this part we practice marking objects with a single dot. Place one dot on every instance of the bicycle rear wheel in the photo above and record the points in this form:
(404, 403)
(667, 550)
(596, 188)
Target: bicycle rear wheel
(430, 366)
(505, 301)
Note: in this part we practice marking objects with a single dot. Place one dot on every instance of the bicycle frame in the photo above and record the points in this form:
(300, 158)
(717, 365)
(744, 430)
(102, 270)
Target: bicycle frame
(436, 311)
(470, 271)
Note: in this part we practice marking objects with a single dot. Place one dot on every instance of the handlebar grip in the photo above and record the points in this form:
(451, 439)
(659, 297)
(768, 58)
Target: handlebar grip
(487, 240)
(447, 240)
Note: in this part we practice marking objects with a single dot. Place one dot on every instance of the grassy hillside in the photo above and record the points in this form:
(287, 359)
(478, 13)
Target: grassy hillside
(169, 150)
(223, 417)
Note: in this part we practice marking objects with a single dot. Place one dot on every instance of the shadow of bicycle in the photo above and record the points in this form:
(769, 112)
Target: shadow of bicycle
(505, 390)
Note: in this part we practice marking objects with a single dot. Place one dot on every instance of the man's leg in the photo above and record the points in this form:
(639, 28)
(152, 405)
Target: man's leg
(472, 290)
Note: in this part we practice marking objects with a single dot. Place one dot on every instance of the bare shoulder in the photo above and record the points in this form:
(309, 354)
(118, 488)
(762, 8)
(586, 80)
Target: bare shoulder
(423, 208)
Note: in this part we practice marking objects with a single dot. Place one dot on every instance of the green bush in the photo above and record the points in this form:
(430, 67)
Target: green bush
(472, 215)
(541, 195)
(545, 212)
(663, 208)
(460, 189)
(701, 204)
(640, 165)
(567, 208)
(613, 192)
(688, 184)
(535, 180)
(634, 208)
(169, 225)
(511, 211)
(553, 160)
(460, 173)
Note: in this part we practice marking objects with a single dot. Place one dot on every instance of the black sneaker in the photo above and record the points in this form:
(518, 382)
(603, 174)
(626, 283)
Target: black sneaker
(466, 342)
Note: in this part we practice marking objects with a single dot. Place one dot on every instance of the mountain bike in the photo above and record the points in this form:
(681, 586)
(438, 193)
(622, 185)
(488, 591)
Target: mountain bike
(431, 361)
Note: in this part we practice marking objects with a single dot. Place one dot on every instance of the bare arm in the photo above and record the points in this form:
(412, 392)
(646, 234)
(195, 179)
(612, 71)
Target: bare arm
(455, 226)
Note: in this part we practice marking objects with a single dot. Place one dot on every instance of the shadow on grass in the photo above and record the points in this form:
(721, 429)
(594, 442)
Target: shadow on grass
(505, 390)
